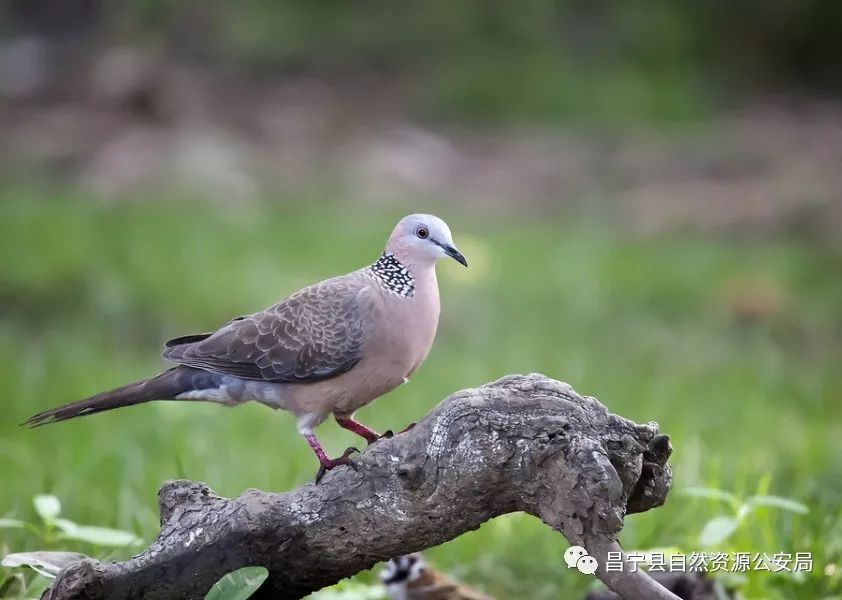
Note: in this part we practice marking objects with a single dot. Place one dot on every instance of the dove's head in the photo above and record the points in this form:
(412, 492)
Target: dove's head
(403, 569)
(422, 240)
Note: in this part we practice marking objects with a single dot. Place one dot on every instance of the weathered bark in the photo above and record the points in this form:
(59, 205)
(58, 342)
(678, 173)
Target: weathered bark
(688, 586)
(523, 443)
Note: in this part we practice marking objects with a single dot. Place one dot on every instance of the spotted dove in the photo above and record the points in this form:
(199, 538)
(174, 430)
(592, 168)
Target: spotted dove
(330, 348)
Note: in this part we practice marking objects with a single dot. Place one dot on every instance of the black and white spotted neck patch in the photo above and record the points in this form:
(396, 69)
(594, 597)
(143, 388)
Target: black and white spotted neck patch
(393, 275)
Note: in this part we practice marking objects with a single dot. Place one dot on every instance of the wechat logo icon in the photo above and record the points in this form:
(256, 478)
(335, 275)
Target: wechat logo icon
(578, 557)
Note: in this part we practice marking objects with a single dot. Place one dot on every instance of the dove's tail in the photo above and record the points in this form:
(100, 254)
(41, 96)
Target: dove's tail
(165, 386)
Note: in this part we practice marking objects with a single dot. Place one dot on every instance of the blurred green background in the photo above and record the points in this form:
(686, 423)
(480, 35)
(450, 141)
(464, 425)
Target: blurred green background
(648, 195)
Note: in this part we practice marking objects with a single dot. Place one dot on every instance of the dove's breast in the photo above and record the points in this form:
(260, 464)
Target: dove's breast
(401, 332)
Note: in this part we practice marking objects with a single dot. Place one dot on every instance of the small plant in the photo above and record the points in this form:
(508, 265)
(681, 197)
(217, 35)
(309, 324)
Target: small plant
(239, 584)
(51, 531)
(54, 528)
(745, 527)
(718, 529)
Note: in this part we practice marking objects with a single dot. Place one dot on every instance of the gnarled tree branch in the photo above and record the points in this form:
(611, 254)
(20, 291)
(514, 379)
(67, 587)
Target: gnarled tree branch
(523, 443)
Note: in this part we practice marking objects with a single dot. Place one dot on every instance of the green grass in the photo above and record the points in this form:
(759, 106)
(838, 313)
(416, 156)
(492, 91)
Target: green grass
(650, 326)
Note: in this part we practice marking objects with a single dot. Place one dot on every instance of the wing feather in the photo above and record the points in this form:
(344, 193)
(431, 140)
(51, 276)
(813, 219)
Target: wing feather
(312, 335)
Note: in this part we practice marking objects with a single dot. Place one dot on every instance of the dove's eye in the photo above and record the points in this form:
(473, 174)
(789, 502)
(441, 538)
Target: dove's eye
(422, 233)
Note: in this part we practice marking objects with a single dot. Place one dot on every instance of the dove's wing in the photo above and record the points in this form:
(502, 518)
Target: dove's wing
(314, 334)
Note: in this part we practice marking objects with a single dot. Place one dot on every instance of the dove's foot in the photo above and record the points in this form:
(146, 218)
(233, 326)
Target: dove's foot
(325, 463)
(330, 463)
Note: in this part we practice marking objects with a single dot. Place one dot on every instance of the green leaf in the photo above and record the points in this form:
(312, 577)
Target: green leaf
(779, 502)
(11, 524)
(47, 564)
(710, 494)
(239, 584)
(717, 530)
(48, 507)
(100, 536)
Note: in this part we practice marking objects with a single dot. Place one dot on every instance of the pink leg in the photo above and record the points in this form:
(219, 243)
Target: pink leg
(358, 428)
(317, 447)
(325, 463)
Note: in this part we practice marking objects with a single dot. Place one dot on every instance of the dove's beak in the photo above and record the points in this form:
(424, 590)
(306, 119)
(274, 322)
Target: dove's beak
(454, 254)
